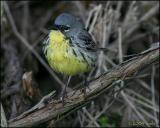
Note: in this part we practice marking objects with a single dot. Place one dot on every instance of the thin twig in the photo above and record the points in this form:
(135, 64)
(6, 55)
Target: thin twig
(153, 94)
(3, 118)
(98, 8)
(143, 84)
(25, 19)
(120, 45)
(91, 117)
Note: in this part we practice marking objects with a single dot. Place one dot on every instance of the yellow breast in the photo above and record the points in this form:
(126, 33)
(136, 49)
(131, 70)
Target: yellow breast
(61, 58)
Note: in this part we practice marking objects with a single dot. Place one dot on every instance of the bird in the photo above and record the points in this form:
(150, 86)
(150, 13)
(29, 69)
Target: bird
(69, 48)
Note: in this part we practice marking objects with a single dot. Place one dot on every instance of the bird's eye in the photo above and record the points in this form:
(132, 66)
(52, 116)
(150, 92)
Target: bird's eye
(64, 28)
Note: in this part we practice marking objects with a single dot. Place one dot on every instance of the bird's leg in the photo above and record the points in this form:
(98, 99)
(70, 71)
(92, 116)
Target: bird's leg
(84, 89)
(64, 90)
(85, 83)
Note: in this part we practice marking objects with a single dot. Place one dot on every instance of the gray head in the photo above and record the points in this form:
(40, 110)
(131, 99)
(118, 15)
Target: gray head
(67, 22)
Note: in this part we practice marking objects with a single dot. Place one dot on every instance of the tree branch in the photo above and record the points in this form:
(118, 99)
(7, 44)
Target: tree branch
(75, 100)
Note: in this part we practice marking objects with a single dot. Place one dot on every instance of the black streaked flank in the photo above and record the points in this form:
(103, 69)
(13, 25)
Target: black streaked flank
(84, 58)
(74, 52)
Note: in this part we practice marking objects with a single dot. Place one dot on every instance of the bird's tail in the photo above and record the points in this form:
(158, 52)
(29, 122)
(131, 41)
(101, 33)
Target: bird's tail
(154, 46)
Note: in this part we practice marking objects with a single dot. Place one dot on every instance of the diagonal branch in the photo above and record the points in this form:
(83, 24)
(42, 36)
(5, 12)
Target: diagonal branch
(75, 100)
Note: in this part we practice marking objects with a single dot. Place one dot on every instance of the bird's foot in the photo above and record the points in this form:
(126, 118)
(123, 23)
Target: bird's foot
(83, 90)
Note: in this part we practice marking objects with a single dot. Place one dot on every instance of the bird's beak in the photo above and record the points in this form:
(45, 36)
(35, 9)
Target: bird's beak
(53, 27)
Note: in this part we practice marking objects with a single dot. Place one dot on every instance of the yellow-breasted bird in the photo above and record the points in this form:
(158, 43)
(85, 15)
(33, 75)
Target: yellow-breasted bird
(69, 48)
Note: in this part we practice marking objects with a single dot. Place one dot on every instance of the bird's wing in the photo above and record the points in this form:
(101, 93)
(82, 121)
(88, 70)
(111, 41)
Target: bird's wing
(85, 40)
